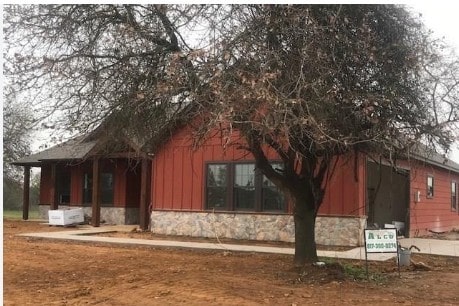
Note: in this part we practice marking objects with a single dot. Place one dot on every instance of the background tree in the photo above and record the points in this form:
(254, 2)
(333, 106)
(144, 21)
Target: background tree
(313, 82)
(17, 124)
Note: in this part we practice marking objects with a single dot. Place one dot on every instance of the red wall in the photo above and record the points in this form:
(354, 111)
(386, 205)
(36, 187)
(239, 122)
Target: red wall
(178, 171)
(178, 176)
(126, 182)
(431, 214)
(345, 192)
(46, 184)
(132, 197)
(178, 183)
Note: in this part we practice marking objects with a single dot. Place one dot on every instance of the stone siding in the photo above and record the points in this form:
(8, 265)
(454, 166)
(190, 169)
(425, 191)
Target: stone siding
(108, 215)
(346, 231)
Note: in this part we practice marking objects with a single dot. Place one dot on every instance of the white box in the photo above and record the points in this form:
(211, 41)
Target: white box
(66, 216)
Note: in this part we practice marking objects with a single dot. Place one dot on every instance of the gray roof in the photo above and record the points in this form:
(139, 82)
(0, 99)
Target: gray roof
(72, 149)
(423, 153)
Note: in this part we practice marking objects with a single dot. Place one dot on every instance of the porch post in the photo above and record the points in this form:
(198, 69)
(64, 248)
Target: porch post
(26, 193)
(145, 194)
(95, 219)
(54, 196)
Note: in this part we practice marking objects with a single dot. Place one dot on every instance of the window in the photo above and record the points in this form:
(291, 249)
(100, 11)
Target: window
(272, 197)
(217, 181)
(63, 185)
(453, 196)
(430, 186)
(239, 186)
(87, 188)
(106, 188)
(244, 187)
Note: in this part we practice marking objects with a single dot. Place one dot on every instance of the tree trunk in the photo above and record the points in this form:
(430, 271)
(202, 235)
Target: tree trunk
(305, 243)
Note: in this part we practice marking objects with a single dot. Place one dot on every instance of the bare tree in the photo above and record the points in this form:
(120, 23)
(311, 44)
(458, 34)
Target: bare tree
(17, 127)
(312, 82)
(81, 63)
(316, 83)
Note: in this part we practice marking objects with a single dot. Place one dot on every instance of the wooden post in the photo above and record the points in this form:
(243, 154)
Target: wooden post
(54, 194)
(26, 193)
(144, 213)
(95, 219)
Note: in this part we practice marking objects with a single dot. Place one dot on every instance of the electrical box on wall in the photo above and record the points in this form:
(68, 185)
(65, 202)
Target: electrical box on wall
(417, 196)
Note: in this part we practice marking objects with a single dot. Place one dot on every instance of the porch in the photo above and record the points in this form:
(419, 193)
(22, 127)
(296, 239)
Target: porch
(112, 188)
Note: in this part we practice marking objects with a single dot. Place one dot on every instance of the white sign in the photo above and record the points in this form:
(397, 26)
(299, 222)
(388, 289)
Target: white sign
(381, 241)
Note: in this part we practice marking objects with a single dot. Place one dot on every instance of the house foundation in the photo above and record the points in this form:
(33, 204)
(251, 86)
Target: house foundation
(330, 230)
(108, 215)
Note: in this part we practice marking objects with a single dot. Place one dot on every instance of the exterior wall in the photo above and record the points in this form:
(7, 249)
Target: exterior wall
(330, 230)
(76, 180)
(46, 185)
(178, 197)
(108, 215)
(133, 182)
(431, 214)
(126, 182)
(178, 177)
(178, 171)
(345, 192)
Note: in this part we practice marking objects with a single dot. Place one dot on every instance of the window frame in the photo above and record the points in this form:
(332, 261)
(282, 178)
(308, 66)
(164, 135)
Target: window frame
(87, 178)
(264, 188)
(231, 188)
(63, 185)
(430, 190)
(235, 188)
(87, 202)
(110, 203)
(206, 193)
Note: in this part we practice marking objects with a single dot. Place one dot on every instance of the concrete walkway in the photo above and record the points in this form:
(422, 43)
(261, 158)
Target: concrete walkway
(87, 234)
(432, 246)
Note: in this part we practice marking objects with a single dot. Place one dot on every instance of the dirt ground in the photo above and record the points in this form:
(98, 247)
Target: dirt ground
(47, 272)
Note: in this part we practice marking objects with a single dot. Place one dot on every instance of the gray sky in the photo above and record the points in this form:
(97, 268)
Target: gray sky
(442, 18)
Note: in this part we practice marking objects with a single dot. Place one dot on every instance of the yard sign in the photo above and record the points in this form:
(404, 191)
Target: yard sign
(381, 241)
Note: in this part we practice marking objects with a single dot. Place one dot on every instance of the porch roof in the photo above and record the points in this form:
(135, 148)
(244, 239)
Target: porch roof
(72, 149)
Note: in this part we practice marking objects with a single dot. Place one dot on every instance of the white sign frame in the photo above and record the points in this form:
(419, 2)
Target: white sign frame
(381, 240)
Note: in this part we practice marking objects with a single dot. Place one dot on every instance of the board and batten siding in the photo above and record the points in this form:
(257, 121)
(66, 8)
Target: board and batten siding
(45, 185)
(178, 179)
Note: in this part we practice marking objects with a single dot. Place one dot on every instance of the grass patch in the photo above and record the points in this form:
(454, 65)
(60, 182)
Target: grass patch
(17, 214)
(357, 272)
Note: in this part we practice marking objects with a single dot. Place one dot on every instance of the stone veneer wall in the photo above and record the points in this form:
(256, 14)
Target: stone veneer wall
(330, 230)
(108, 215)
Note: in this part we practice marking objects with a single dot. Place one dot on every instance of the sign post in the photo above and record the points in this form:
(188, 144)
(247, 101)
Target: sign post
(381, 241)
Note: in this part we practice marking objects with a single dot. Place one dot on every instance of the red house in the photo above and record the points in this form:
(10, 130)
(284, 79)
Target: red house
(217, 192)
